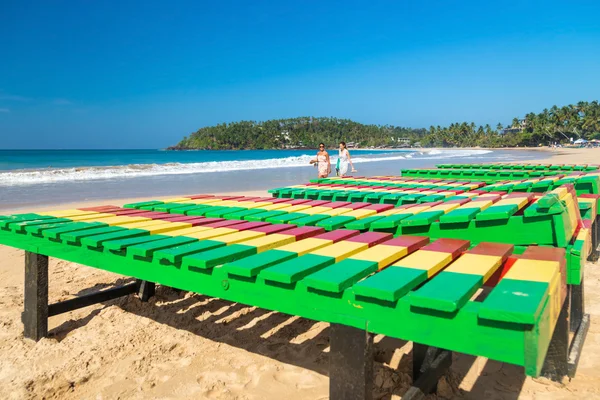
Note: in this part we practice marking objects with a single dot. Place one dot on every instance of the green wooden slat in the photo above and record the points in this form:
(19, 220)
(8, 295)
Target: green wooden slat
(392, 198)
(323, 195)
(515, 301)
(251, 266)
(39, 228)
(121, 244)
(310, 220)
(364, 223)
(145, 250)
(19, 227)
(4, 224)
(55, 233)
(174, 255)
(142, 204)
(343, 196)
(222, 255)
(240, 215)
(286, 218)
(390, 284)
(260, 217)
(97, 240)
(460, 215)
(547, 201)
(448, 291)
(220, 213)
(357, 196)
(168, 207)
(391, 221)
(336, 222)
(295, 269)
(340, 276)
(422, 218)
(411, 198)
(75, 237)
(201, 212)
(497, 212)
(301, 194)
(431, 198)
(186, 209)
(374, 198)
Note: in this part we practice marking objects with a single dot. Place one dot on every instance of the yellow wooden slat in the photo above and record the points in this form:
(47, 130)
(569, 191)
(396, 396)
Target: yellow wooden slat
(307, 245)
(382, 254)
(341, 250)
(269, 242)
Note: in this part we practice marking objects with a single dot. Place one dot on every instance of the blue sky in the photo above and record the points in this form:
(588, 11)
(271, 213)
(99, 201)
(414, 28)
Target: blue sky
(109, 74)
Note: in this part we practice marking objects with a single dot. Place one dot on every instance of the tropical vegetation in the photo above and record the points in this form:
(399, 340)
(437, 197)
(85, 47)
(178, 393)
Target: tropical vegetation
(554, 125)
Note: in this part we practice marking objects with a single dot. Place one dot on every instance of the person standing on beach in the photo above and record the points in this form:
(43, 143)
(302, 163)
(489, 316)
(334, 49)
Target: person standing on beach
(343, 160)
(322, 161)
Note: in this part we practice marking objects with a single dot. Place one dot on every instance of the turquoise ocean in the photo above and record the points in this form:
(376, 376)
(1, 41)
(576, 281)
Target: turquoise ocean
(36, 177)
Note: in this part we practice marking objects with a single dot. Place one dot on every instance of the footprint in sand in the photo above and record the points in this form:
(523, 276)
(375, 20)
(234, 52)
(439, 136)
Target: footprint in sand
(299, 380)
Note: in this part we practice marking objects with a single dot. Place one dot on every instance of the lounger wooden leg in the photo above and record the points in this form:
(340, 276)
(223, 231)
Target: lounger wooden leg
(556, 363)
(146, 290)
(576, 295)
(35, 315)
(577, 345)
(594, 255)
(429, 365)
(350, 363)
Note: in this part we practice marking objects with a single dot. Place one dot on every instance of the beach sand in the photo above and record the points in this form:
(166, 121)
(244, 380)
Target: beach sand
(185, 345)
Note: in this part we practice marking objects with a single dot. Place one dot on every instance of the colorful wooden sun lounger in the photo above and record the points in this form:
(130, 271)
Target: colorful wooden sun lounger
(529, 166)
(488, 215)
(585, 182)
(405, 287)
(461, 209)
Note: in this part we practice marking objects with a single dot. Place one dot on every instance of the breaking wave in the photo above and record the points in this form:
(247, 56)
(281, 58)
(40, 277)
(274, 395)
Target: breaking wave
(55, 175)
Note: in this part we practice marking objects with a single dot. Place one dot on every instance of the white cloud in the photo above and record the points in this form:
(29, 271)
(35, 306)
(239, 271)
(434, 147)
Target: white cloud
(13, 97)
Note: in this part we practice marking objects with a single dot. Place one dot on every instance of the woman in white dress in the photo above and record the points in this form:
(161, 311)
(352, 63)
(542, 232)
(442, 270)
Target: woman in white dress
(344, 159)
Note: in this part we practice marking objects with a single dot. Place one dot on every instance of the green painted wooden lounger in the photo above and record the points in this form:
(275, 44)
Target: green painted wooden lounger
(585, 178)
(518, 166)
(400, 287)
(584, 184)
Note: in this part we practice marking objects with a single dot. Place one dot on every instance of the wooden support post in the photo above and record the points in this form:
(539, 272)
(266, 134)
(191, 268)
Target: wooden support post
(429, 365)
(92, 298)
(146, 290)
(556, 362)
(595, 254)
(577, 345)
(576, 297)
(35, 315)
(350, 363)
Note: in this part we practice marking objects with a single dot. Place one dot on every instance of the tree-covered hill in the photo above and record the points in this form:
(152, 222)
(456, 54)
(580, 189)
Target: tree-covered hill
(554, 125)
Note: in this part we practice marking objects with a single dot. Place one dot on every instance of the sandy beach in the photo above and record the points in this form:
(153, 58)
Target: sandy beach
(185, 345)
